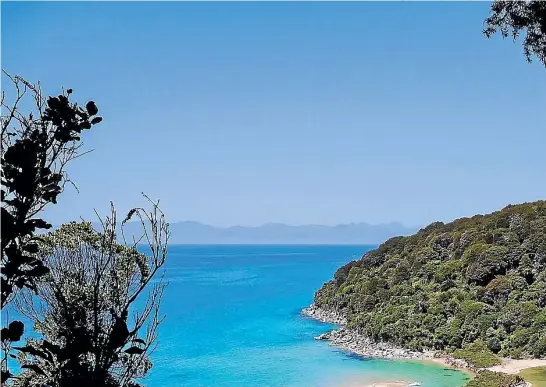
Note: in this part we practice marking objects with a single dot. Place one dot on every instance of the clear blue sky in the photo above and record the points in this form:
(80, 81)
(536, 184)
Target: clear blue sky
(246, 113)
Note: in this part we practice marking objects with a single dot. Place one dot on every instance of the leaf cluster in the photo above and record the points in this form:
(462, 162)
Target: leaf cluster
(82, 307)
(512, 18)
(36, 147)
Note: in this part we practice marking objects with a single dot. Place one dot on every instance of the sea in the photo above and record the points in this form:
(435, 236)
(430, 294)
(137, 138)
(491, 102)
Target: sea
(233, 320)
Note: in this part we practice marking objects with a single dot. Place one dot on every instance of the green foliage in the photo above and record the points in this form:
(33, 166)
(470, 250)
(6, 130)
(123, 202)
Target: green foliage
(477, 354)
(536, 376)
(493, 379)
(82, 307)
(477, 282)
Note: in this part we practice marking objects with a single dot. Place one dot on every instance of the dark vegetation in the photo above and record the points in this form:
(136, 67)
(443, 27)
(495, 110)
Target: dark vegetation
(37, 145)
(82, 306)
(476, 286)
(77, 285)
(514, 18)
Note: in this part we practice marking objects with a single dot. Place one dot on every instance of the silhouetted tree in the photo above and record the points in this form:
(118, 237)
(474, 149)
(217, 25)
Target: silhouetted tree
(512, 18)
(82, 305)
(37, 145)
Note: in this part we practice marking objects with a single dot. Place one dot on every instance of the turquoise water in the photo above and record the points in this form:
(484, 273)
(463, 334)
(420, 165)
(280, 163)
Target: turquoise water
(233, 320)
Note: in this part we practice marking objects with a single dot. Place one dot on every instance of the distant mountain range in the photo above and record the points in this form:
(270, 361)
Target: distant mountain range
(277, 233)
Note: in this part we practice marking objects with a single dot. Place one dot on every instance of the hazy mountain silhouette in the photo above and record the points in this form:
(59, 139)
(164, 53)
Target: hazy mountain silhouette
(189, 232)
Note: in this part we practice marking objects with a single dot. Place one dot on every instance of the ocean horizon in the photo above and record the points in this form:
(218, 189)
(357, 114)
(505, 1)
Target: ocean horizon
(233, 319)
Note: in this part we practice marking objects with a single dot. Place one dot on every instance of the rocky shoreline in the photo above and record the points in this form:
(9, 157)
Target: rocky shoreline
(325, 316)
(354, 342)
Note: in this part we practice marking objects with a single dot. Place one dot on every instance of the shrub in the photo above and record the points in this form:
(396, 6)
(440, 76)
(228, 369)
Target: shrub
(494, 379)
(477, 354)
(516, 353)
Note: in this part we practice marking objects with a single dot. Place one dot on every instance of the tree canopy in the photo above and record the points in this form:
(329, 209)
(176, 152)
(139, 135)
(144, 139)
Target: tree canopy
(514, 18)
(476, 286)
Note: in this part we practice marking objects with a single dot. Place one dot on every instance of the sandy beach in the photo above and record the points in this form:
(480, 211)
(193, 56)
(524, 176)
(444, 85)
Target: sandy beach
(398, 383)
(512, 366)
(388, 384)
(449, 363)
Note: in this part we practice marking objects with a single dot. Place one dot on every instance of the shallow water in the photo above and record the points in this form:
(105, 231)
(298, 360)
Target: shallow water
(233, 320)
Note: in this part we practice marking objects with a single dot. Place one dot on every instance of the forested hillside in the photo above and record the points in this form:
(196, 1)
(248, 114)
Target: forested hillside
(473, 285)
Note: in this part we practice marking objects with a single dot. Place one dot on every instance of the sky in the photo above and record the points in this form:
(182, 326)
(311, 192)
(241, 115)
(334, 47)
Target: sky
(302, 113)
